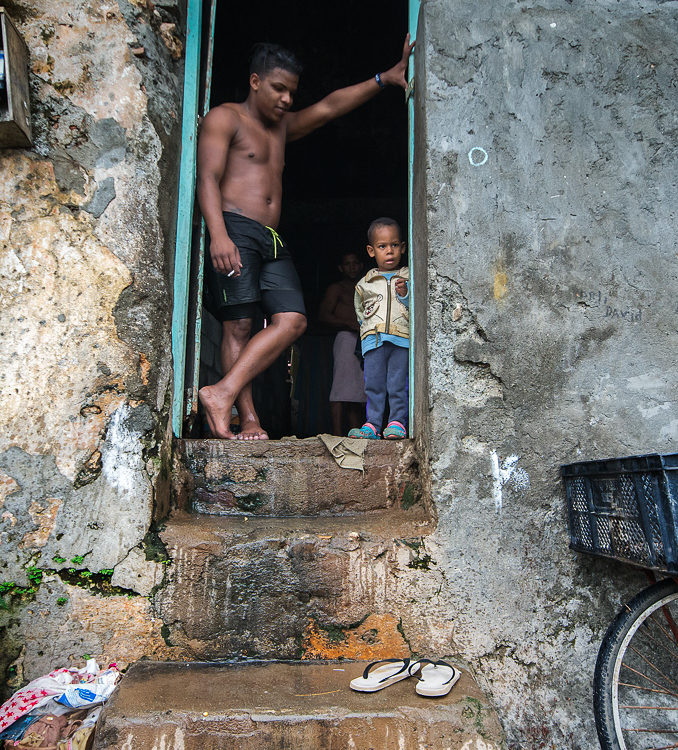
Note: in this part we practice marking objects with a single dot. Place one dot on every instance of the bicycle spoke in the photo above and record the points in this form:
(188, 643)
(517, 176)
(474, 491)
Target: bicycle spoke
(671, 623)
(641, 674)
(641, 680)
(655, 654)
(646, 631)
(647, 689)
(650, 664)
(658, 622)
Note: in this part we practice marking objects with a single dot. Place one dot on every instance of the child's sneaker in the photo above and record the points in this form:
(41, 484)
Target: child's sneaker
(366, 432)
(395, 431)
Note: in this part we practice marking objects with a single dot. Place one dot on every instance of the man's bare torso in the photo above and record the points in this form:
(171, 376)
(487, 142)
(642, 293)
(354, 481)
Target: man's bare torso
(252, 181)
(344, 307)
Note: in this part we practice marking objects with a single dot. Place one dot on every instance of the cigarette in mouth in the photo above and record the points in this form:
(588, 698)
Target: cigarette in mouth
(230, 273)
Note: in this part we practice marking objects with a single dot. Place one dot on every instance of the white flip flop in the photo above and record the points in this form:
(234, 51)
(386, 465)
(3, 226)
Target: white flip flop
(391, 671)
(437, 678)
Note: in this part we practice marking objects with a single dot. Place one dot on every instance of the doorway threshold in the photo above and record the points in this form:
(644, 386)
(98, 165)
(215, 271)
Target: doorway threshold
(292, 477)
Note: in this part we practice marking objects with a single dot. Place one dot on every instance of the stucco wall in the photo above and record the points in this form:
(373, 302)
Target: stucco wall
(551, 322)
(85, 248)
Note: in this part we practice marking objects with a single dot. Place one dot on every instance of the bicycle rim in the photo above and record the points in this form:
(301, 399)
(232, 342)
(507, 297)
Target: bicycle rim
(645, 674)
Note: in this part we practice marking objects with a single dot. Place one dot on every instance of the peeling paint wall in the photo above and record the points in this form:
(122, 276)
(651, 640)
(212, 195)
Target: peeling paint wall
(545, 193)
(86, 244)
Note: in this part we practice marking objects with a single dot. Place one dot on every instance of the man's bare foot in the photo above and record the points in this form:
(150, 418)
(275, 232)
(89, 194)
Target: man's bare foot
(217, 411)
(251, 430)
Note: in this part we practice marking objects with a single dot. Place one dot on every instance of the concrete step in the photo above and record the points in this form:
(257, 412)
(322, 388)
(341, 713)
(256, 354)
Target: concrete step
(302, 705)
(256, 586)
(291, 477)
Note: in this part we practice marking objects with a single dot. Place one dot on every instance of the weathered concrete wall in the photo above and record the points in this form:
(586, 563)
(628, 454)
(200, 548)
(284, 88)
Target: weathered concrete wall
(551, 322)
(85, 251)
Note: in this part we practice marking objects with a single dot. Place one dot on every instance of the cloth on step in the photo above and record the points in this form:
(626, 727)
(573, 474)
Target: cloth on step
(347, 382)
(74, 688)
(17, 730)
(347, 452)
(83, 739)
(44, 733)
(35, 694)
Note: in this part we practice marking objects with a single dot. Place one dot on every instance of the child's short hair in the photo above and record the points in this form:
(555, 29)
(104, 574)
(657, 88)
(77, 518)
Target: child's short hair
(265, 57)
(382, 221)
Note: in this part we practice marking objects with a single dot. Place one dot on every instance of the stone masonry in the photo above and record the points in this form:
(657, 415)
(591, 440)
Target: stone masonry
(85, 247)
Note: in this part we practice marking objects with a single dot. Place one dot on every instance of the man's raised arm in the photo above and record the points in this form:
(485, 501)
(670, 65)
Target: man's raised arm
(217, 131)
(342, 101)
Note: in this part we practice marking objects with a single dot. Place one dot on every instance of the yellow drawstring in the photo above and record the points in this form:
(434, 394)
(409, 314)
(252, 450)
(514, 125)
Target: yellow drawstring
(276, 240)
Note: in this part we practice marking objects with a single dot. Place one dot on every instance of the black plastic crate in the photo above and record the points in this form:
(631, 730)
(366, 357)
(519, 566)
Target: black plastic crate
(625, 508)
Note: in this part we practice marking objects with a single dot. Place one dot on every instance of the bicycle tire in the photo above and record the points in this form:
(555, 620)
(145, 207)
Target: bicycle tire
(638, 665)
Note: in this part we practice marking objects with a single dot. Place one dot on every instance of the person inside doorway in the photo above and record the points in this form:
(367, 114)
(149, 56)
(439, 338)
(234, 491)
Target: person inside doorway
(240, 162)
(382, 306)
(347, 397)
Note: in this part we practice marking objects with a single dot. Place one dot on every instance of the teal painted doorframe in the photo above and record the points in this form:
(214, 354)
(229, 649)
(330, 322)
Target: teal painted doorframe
(182, 250)
(187, 180)
(192, 372)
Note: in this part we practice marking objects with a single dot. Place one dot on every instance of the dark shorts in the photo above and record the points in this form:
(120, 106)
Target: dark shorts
(267, 278)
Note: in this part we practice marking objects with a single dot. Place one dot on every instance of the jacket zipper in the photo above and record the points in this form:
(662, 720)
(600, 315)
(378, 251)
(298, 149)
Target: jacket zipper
(387, 326)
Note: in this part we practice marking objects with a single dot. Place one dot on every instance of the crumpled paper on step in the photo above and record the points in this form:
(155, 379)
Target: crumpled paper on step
(349, 453)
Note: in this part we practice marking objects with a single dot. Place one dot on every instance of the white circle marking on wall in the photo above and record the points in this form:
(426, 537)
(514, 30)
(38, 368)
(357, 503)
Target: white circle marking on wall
(477, 156)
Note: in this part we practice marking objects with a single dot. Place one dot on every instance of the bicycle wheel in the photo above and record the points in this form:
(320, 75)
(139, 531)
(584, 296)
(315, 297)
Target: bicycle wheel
(635, 687)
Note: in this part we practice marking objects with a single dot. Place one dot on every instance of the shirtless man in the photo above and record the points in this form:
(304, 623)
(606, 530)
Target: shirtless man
(241, 155)
(347, 397)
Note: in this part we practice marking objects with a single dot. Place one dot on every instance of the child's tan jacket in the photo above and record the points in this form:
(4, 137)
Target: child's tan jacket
(378, 307)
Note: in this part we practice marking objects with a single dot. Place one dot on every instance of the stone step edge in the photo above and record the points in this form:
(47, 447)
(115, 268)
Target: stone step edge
(237, 477)
(382, 523)
(285, 692)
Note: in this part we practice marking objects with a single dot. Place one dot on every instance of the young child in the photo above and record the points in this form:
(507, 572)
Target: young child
(347, 397)
(382, 307)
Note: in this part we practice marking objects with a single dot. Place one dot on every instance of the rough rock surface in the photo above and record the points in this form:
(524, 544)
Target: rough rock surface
(545, 263)
(291, 477)
(261, 587)
(84, 300)
(117, 627)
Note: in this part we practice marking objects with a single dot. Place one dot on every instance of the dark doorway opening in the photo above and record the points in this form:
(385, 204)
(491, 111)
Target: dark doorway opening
(336, 180)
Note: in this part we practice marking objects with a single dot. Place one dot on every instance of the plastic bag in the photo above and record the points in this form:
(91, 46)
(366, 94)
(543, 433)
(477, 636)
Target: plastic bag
(36, 693)
(81, 696)
(97, 688)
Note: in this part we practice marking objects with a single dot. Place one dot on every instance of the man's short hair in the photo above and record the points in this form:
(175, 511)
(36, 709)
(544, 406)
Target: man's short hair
(382, 221)
(343, 254)
(265, 57)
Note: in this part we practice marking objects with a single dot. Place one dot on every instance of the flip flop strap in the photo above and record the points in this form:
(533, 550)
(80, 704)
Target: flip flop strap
(439, 663)
(406, 664)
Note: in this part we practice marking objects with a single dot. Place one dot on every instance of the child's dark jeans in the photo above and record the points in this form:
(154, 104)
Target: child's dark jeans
(386, 373)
